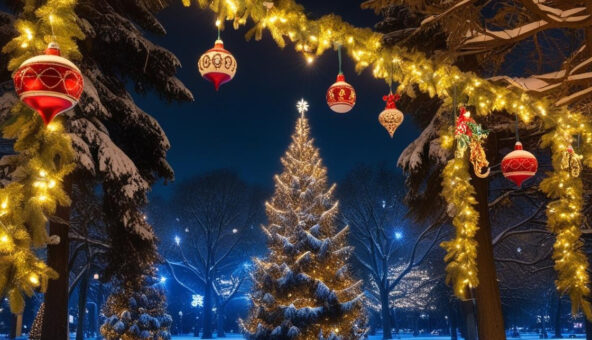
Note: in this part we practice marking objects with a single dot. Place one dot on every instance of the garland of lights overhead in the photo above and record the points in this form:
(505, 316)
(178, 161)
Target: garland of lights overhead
(286, 21)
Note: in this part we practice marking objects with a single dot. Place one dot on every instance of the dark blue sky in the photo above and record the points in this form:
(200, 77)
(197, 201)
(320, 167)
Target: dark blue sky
(247, 125)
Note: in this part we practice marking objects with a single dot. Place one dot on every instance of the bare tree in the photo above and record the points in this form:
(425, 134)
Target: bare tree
(371, 205)
(219, 211)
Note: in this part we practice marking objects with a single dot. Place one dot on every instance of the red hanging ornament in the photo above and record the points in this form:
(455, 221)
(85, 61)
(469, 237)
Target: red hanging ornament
(462, 123)
(341, 96)
(519, 165)
(217, 65)
(49, 84)
(391, 118)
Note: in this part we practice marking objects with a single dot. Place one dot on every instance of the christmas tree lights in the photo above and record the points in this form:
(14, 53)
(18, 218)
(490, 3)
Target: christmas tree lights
(303, 289)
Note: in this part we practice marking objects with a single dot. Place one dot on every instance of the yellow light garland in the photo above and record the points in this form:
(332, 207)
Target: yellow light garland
(287, 20)
(36, 189)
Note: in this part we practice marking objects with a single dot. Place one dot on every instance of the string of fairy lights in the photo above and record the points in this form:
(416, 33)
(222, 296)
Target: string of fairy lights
(34, 195)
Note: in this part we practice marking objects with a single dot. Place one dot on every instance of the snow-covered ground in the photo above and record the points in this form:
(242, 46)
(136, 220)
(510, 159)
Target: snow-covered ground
(379, 337)
(376, 337)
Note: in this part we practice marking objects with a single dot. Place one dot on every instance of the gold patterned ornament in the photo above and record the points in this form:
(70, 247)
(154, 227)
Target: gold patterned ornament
(391, 118)
(572, 162)
(217, 65)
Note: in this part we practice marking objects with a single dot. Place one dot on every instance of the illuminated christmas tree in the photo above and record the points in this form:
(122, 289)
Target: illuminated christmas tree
(137, 311)
(303, 289)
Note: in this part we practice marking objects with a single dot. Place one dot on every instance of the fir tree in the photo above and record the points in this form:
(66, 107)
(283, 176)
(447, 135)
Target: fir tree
(303, 289)
(111, 140)
(137, 311)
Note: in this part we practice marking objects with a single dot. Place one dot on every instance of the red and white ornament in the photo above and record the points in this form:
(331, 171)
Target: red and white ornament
(49, 84)
(391, 118)
(341, 96)
(217, 65)
(519, 165)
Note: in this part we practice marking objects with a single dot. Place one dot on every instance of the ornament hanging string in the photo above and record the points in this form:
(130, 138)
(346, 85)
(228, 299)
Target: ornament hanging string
(53, 36)
(517, 129)
(339, 56)
(390, 79)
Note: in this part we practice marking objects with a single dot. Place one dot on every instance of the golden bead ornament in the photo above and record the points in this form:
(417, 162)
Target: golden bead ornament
(572, 162)
(391, 118)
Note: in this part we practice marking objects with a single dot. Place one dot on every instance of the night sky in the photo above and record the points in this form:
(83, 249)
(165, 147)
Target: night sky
(247, 125)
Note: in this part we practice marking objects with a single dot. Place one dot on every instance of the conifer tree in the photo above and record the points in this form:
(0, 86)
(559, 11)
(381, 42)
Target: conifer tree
(137, 311)
(303, 289)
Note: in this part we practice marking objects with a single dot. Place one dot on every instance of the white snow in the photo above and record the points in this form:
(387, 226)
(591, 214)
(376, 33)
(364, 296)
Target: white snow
(379, 337)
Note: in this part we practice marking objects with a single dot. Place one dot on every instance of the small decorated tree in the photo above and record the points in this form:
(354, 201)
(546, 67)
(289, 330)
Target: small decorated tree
(303, 289)
(134, 313)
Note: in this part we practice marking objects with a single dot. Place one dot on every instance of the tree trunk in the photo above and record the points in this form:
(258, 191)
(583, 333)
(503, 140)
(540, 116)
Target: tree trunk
(55, 318)
(394, 323)
(207, 317)
(386, 318)
(196, 327)
(558, 319)
(453, 313)
(489, 307)
(220, 322)
(470, 320)
(17, 326)
(93, 319)
(82, 291)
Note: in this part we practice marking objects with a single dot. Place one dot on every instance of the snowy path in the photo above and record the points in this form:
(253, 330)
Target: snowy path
(376, 337)
(379, 337)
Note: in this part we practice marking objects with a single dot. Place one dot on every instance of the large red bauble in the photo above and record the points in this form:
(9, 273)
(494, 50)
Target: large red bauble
(48, 83)
(341, 96)
(217, 65)
(519, 165)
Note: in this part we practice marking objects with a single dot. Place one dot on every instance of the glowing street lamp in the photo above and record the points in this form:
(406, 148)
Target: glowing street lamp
(163, 279)
(177, 240)
(398, 235)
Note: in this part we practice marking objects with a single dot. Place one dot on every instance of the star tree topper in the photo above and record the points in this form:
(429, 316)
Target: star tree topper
(302, 106)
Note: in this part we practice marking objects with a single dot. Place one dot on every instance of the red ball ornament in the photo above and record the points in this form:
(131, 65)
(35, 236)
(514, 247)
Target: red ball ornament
(341, 96)
(519, 165)
(48, 83)
(217, 65)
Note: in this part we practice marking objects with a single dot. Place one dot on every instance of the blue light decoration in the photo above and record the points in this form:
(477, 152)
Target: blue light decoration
(197, 300)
